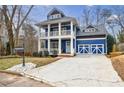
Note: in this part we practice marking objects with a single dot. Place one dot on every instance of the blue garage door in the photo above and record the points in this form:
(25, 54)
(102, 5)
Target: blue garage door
(97, 46)
(84, 48)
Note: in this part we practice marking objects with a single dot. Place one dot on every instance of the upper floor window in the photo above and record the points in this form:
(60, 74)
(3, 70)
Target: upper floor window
(55, 16)
(90, 30)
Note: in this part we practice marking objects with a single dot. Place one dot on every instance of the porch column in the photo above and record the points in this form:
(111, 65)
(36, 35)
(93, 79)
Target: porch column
(72, 32)
(39, 43)
(48, 38)
(72, 49)
(59, 29)
(49, 45)
(59, 45)
(48, 30)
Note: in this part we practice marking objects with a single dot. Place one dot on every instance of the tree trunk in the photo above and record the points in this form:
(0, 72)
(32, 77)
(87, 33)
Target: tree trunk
(11, 41)
(9, 28)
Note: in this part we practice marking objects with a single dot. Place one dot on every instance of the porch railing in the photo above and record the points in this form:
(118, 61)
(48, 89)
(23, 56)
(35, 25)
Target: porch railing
(54, 33)
(65, 32)
(43, 34)
(53, 50)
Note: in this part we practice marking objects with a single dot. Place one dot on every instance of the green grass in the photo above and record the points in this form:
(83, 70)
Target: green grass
(9, 62)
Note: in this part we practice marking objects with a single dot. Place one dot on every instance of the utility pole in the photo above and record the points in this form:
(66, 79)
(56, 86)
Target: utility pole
(23, 63)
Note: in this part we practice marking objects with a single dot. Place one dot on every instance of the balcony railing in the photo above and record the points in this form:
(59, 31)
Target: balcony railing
(65, 32)
(54, 50)
(54, 33)
(43, 34)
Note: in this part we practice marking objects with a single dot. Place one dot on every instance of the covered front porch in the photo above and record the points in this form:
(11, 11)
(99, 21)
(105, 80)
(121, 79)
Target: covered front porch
(59, 46)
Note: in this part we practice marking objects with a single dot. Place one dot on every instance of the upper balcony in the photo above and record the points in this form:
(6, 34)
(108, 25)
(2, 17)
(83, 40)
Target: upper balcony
(55, 33)
(58, 29)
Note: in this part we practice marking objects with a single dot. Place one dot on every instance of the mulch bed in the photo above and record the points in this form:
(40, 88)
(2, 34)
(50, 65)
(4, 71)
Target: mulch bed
(118, 64)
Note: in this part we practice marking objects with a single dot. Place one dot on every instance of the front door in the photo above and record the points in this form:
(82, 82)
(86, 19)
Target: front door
(67, 46)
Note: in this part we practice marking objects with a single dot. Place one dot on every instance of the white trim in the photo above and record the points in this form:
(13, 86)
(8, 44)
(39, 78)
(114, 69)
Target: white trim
(90, 49)
(102, 52)
(59, 45)
(71, 28)
(82, 49)
(91, 39)
(57, 37)
(48, 30)
(75, 45)
(59, 28)
(49, 45)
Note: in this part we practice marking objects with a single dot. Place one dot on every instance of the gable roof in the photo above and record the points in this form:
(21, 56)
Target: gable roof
(54, 11)
(101, 30)
(90, 26)
(64, 19)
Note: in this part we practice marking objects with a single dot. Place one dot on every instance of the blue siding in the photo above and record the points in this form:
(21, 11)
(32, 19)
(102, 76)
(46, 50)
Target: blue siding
(74, 43)
(46, 44)
(98, 41)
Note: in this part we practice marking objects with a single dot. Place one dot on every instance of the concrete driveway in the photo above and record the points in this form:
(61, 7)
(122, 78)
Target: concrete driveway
(82, 70)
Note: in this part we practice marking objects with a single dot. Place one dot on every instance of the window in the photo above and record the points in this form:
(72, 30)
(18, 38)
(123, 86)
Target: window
(54, 44)
(55, 16)
(90, 30)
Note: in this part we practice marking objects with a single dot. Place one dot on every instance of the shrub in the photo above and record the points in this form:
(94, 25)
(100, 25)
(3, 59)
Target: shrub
(46, 53)
(40, 54)
(110, 43)
(35, 54)
(121, 47)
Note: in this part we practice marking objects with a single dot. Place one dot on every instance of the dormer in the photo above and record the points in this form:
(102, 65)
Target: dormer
(55, 14)
(90, 28)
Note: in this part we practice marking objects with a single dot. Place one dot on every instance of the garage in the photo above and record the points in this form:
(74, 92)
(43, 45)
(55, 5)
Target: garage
(90, 48)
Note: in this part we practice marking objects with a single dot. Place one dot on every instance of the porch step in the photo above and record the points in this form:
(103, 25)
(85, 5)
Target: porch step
(65, 55)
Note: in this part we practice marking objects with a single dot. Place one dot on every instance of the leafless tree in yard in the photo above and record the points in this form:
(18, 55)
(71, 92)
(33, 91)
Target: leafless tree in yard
(30, 38)
(12, 13)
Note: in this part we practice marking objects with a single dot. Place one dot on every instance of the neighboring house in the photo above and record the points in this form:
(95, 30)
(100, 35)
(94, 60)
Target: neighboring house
(3, 35)
(28, 37)
(62, 33)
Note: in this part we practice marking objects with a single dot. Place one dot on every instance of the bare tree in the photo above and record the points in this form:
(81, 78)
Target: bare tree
(86, 16)
(10, 14)
(20, 20)
(30, 38)
(8, 22)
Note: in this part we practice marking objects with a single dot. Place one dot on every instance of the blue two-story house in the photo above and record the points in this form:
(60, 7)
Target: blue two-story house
(62, 34)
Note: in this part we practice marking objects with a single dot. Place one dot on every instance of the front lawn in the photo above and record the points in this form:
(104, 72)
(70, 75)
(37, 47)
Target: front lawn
(6, 63)
(118, 64)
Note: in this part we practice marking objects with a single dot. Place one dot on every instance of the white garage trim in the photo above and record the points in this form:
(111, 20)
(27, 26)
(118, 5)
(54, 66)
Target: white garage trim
(83, 50)
(90, 46)
(91, 39)
(102, 52)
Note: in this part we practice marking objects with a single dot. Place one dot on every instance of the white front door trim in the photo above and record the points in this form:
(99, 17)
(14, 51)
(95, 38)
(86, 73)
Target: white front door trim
(68, 50)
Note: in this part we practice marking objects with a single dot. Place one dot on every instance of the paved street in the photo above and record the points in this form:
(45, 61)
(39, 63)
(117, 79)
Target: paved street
(10, 80)
(82, 70)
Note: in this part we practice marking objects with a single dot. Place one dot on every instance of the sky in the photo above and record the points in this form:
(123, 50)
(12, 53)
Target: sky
(39, 13)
